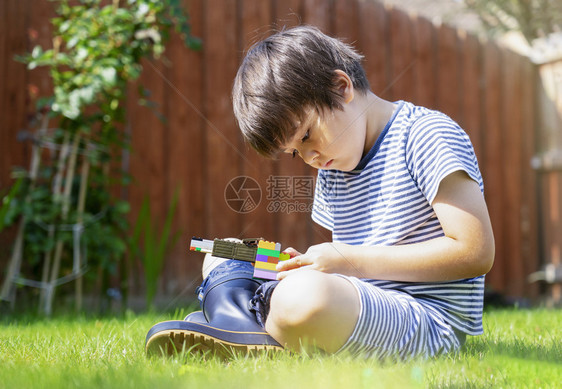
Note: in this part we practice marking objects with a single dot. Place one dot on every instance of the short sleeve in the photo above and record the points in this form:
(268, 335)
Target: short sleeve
(322, 211)
(437, 147)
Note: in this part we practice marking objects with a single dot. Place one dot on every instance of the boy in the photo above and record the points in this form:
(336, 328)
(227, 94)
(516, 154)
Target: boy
(400, 189)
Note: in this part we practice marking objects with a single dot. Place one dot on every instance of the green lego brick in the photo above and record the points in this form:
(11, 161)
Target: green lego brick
(268, 252)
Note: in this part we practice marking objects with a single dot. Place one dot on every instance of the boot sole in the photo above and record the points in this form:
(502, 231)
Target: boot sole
(173, 337)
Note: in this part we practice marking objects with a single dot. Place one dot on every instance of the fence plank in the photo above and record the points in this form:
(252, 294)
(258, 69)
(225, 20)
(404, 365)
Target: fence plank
(511, 177)
(185, 158)
(529, 212)
(425, 73)
(223, 144)
(255, 18)
(14, 90)
(492, 169)
(318, 13)
(148, 134)
(6, 158)
(471, 116)
(374, 45)
(402, 56)
(287, 13)
(346, 23)
(448, 75)
(551, 199)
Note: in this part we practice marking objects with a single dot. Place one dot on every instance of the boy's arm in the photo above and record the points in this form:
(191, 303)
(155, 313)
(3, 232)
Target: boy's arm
(466, 250)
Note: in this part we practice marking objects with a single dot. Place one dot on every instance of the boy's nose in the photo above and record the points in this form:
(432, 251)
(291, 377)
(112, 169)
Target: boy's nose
(310, 156)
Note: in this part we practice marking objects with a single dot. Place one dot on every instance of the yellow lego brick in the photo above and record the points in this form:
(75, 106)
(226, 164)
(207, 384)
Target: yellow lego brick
(266, 245)
(265, 265)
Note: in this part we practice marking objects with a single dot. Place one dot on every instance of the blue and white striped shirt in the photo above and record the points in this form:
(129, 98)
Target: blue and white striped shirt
(387, 200)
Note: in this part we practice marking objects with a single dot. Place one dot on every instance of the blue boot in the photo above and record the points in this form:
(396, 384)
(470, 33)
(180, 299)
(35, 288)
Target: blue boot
(228, 324)
(196, 316)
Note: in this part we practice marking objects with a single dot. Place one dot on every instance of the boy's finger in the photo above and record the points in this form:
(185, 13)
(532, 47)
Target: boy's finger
(292, 252)
(293, 263)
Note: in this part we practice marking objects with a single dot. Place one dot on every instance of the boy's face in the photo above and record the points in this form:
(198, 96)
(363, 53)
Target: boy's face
(332, 139)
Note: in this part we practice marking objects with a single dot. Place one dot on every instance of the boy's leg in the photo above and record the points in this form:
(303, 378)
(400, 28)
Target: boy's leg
(313, 309)
(209, 263)
(345, 314)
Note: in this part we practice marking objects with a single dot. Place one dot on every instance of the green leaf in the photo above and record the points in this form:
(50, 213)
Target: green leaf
(165, 237)
(122, 207)
(7, 203)
(37, 52)
(72, 42)
(109, 75)
(64, 26)
(193, 43)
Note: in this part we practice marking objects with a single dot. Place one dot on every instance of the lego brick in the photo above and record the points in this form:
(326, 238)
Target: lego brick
(231, 250)
(273, 259)
(203, 245)
(268, 252)
(223, 248)
(266, 245)
(244, 253)
(265, 274)
(261, 258)
(265, 266)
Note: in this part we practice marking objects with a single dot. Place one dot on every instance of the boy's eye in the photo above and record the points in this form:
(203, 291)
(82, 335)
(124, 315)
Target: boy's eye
(303, 139)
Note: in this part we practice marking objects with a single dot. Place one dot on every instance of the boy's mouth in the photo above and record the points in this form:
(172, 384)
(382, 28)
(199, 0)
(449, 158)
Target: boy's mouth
(327, 164)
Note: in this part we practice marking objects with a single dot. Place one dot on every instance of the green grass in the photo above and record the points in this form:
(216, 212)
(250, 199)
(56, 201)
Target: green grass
(521, 349)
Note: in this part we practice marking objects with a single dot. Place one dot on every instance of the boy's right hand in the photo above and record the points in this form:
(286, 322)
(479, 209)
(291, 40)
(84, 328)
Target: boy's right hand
(326, 257)
(288, 265)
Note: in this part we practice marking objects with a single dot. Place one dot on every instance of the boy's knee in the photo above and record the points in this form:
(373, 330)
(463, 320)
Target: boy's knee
(209, 263)
(298, 299)
(310, 308)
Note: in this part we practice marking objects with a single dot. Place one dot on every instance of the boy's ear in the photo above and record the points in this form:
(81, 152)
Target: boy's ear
(344, 86)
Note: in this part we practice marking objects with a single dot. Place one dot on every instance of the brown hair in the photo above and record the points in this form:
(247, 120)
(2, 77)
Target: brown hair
(285, 75)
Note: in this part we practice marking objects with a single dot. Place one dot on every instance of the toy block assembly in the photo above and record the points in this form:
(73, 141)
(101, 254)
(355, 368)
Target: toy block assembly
(265, 255)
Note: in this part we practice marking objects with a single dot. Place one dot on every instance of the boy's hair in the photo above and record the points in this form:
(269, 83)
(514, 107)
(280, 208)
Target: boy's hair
(286, 75)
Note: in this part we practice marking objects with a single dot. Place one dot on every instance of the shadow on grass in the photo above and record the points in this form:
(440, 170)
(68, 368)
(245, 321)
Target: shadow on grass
(515, 348)
(25, 315)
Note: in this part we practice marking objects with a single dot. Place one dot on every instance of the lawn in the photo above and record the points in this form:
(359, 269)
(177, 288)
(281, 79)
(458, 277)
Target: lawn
(521, 349)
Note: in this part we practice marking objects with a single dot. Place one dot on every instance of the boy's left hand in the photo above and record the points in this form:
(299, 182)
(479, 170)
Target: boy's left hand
(324, 257)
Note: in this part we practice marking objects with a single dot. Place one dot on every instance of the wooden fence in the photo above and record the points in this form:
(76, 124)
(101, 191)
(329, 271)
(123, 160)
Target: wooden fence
(489, 90)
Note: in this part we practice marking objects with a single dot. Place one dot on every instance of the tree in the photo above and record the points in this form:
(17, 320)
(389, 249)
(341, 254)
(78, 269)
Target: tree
(534, 18)
(97, 50)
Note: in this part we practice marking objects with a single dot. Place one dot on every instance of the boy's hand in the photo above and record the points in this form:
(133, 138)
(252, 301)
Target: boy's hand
(324, 257)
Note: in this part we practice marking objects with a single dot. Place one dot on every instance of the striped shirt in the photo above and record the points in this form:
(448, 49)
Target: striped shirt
(387, 200)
